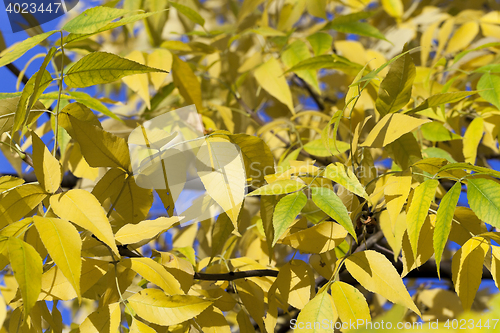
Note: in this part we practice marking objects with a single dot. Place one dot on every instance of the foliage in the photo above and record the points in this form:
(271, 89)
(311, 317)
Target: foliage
(358, 134)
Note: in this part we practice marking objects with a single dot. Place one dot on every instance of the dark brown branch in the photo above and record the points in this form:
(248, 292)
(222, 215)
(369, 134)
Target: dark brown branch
(14, 70)
(235, 275)
(314, 95)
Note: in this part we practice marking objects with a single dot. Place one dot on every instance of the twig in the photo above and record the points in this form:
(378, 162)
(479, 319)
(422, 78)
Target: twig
(235, 275)
(14, 70)
(314, 96)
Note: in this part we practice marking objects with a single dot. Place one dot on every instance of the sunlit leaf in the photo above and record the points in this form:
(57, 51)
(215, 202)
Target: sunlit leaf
(286, 212)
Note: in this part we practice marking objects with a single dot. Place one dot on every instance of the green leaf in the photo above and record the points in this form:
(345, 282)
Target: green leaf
(286, 211)
(101, 67)
(63, 243)
(188, 12)
(30, 94)
(436, 131)
(330, 203)
(27, 266)
(18, 50)
(490, 86)
(440, 99)
(444, 219)
(19, 201)
(93, 19)
(326, 61)
(468, 166)
(484, 199)
(349, 24)
(419, 209)
(317, 310)
(317, 148)
(395, 89)
(294, 54)
(321, 42)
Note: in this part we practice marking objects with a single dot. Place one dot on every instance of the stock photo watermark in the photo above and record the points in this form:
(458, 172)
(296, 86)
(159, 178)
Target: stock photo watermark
(27, 14)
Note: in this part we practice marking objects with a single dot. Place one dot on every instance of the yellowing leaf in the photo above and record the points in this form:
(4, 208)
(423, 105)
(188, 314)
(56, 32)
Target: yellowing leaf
(155, 273)
(440, 99)
(350, 303)
(187, 83)
(135, 233)
(320, 238)
(467, 269)
(375, 273)
(321, 42)
(18, 50)
(295, 282)
(295, 53)
(393, 8)
(484, 200)
(188, 12)
(472, 137)
(27, 266)
(419, 209)
(162, 59)
(331, 204)
(270, 77)
(396, 192)
(105, 319)
(317, 148)
(139, 327)
(462, 37)
(222, 172)
(391, 127)
(247, 8)
(212, 320)
(101, 67)
(48, 171)
(83, 209)
(100, 148)
(19, 201)
(62, 241)
(279, 187)
(317, 310)
(156, 307)
(444, 219)
(395, 89)
(489, 86)
(343, 175)
(139, 83)
(252, 297)
(286, 211)
(93, 19)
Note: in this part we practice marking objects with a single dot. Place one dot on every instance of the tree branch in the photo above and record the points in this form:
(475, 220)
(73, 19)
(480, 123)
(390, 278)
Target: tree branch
(14, 70)
(235, 275)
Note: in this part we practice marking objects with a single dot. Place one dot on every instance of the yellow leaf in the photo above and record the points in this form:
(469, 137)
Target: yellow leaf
(213, 321)
(83, 209)
(105, 319)
(162, 59)
(350, 303)
(100, 148)
(375, 273)
(226, 115)
(8, 182)
(324, 263)
(139, 82)
(467, 269)
(462, 37)
(156, 307)
(472, 137)
(3, 311)
(62, 241)
(396, 192)
(222, 172)
(495, 264)
(419, 209)
(247, 8)
(393, 7)
(252, 297)
(27, 266)
(19, 201)
(443, 36)
(279, 187)
(56, 286)
(296, 283)
(391, 127)
(320, 238)
(244, 323)
(425, 250)
(319, 309)
(155, 273)
(187, 83)
(78, 166)
(48, 171)
(139, 327)
(271, 79)
(135, 233)
(343, 175)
